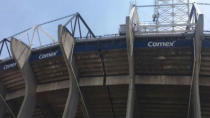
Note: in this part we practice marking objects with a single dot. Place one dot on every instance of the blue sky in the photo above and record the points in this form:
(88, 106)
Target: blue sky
(103, 16)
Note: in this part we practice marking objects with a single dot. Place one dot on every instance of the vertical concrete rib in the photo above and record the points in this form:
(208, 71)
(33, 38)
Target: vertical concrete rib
(131, 90)
(67, 43)
(196, 67)
(21, 53)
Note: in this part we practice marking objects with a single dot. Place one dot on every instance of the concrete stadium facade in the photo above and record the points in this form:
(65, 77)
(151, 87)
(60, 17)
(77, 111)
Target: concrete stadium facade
(131, 75)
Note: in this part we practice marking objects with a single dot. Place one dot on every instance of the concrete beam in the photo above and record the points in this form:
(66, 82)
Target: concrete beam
(91, 81)
(196, 67)
(131, 90)
(116, 80)
(156, 80)
(21, 53)
(67, 43)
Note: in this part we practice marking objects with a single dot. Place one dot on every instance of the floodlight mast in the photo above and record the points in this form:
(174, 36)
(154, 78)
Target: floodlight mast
(171, 15)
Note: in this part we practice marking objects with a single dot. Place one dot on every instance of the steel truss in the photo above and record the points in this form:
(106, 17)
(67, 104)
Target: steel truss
(75, 24)
(78, 29)
(4, 45)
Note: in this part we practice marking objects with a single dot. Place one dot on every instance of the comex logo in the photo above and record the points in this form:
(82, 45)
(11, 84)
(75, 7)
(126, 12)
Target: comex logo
(47, 55)
(8, 66)
(161, 44)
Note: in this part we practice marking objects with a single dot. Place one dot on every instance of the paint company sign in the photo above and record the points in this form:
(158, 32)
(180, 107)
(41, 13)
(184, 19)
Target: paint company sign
(8, 65)
(45, 54)
(161, 44)
(48, 55)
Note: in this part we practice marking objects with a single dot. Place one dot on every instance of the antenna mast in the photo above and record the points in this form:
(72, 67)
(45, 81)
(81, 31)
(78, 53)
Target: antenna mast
(171, 15)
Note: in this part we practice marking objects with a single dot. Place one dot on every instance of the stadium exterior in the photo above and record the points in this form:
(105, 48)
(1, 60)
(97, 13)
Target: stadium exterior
(132, 75)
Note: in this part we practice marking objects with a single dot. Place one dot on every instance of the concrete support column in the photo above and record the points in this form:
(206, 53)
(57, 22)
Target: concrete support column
(21, 53)
(196, 68)
(131, 90)
(67, 43)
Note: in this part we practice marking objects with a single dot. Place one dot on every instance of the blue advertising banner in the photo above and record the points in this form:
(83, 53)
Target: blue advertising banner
(114, 44)
(138, 43)
(86, 47)
(45, 53)
(205, 43)
(104, 45)
(161, 43)
(8, 65)
(100, 45)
